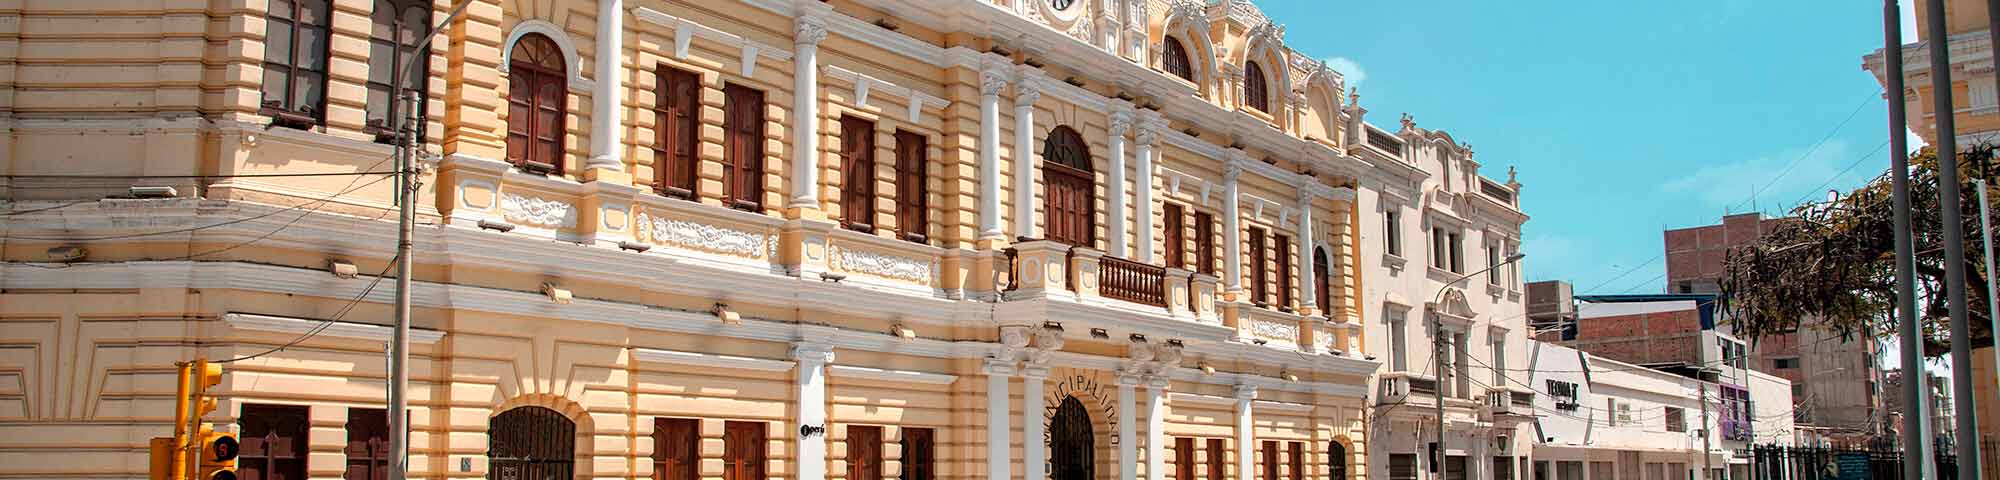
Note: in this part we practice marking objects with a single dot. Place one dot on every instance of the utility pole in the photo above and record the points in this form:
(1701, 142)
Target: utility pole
(399, 346)
(1954, 238)
(1705, 431)
(1437, 356)
(1916, 430)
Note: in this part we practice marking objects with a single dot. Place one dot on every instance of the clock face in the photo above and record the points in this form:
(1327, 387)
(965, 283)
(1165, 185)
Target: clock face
(1061, 5)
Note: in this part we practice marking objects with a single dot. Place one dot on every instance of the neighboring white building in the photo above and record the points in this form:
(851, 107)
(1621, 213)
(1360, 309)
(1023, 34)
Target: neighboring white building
(1601, 419)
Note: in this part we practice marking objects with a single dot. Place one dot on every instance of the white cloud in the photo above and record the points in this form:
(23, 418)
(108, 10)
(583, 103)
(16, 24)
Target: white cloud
(1731, 184)
(1348, 69)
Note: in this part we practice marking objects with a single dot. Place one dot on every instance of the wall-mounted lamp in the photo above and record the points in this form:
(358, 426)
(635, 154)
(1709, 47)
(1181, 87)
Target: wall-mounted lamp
(903, 332)
(1100, 334)
(1289, 376)
(634, 247)
(342, 269)
(153, 192)
(1176, 343)
(502, 227)
(722, 312)
(1207, 369)
(1138, 338)
(66, 253)
(888, 24)
(557, 295)
(831, 277)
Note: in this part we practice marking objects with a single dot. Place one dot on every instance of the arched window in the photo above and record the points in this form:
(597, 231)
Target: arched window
(536, 105)
(1336, 461)
(530, 442)
(1070, 201)
(1174, 59)
(1323, 296)
(1256, 93)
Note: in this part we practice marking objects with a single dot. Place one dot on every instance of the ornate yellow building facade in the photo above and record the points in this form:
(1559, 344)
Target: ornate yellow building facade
(735, 239)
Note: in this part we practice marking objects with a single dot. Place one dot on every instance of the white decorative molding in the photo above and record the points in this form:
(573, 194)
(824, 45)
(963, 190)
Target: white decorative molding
(332, 328)
(914, 101)
(709, 360)
(870, 373)
(884, 265)
(701, 236)
(537, 211)
(1184, 398)
(1275, 330)
(1277, 406)
(571, 61)
(685, 30)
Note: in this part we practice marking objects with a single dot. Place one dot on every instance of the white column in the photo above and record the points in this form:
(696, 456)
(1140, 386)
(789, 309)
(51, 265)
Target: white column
(1150, 125)
(991, 82)
(1156, 435)
(1232, 227)
(605, 104)
(1114, 206)
(1026, 92)
(1034, 450)
(812, 407)
(998, 425)
(1246, 448)
(807, 32)
(1310, 299)
(1128, 431)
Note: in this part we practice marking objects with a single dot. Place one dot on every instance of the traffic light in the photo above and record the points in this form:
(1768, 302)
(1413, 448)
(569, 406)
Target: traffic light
(218, 456)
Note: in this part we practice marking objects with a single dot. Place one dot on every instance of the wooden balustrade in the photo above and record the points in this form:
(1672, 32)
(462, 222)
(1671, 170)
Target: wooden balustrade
(1132, 281)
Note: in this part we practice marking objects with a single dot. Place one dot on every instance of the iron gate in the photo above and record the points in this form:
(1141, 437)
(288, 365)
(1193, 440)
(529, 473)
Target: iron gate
(531, 443)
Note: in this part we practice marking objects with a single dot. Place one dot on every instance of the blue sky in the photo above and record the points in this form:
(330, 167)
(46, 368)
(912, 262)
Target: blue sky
(1624, 118)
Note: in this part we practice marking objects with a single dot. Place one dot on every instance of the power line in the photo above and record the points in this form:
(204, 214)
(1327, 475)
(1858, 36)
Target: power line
(315, 203)
(1629, 271)
(1829, 181)
(324, 324)
(1809, 151)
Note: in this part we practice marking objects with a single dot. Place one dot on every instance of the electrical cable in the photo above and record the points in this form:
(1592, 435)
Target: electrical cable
(328, 322)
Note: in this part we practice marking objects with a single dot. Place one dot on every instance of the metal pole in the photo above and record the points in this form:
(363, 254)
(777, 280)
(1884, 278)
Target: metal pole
(1705, 431)
(399, 369)
(1954, 240)
(1437, 388)
(1916, 426)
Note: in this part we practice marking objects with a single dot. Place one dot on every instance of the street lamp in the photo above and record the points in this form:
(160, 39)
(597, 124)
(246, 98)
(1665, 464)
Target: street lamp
(1437, 358)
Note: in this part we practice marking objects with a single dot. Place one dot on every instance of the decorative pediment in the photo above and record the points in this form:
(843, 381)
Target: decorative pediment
(1454, 306)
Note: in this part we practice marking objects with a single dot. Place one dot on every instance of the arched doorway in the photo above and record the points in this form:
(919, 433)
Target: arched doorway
(1336, 461)
(1070, 201)
(1072, 446)
(530, 443)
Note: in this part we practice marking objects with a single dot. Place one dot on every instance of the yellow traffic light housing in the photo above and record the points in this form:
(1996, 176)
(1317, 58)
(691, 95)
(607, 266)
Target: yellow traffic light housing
(218, 456)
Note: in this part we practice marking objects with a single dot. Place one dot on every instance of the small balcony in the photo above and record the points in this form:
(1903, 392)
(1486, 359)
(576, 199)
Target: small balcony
(1042, 269)
(1503, 403)
(1406, 387)
(1131, 281)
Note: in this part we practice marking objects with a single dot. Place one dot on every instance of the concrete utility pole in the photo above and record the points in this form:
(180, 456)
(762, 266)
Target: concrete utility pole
(1705, 431)
(1916, 428)
(1437, 357)
(1954, 238)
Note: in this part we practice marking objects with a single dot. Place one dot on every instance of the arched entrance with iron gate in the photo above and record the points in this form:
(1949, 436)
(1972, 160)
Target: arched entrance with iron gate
(1072, 442)
(531, 443)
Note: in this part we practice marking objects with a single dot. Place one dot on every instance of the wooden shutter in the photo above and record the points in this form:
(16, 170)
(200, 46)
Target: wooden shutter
(1284, 271)
(1204, 242)
(743, 149)
(919, 455)
(1174, 59)
(864, 452)
(367, 444)
(1218, 460)
(1259, 254)
(1322, 288)
(1297, 462)
(272, 443)
(1256, 92)
(912, 186)
(676, 449)
(1175, 235)
(1270, 455)
(1183, 458)
(857, 173)
(743, 445)
(1069, 189)
(676, 127)
(537, 96)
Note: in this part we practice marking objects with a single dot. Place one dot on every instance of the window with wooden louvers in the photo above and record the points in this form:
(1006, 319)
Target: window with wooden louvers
(1204, 242)
(743, 147)
(912, 186)
(1174, 59)
(1270, 460)
(1256, 93)
(537, 94)
(1218, 459)
(743, 447)
(272, 445)
(676, 127)
(864, 452)
(1070, 196)
(367, 444)
(1183, 458)
(1175, 235)
(857, 168)
(676, 449)
(919, 454)
(1284, 271)
(1259, 273)
(1322, 288)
